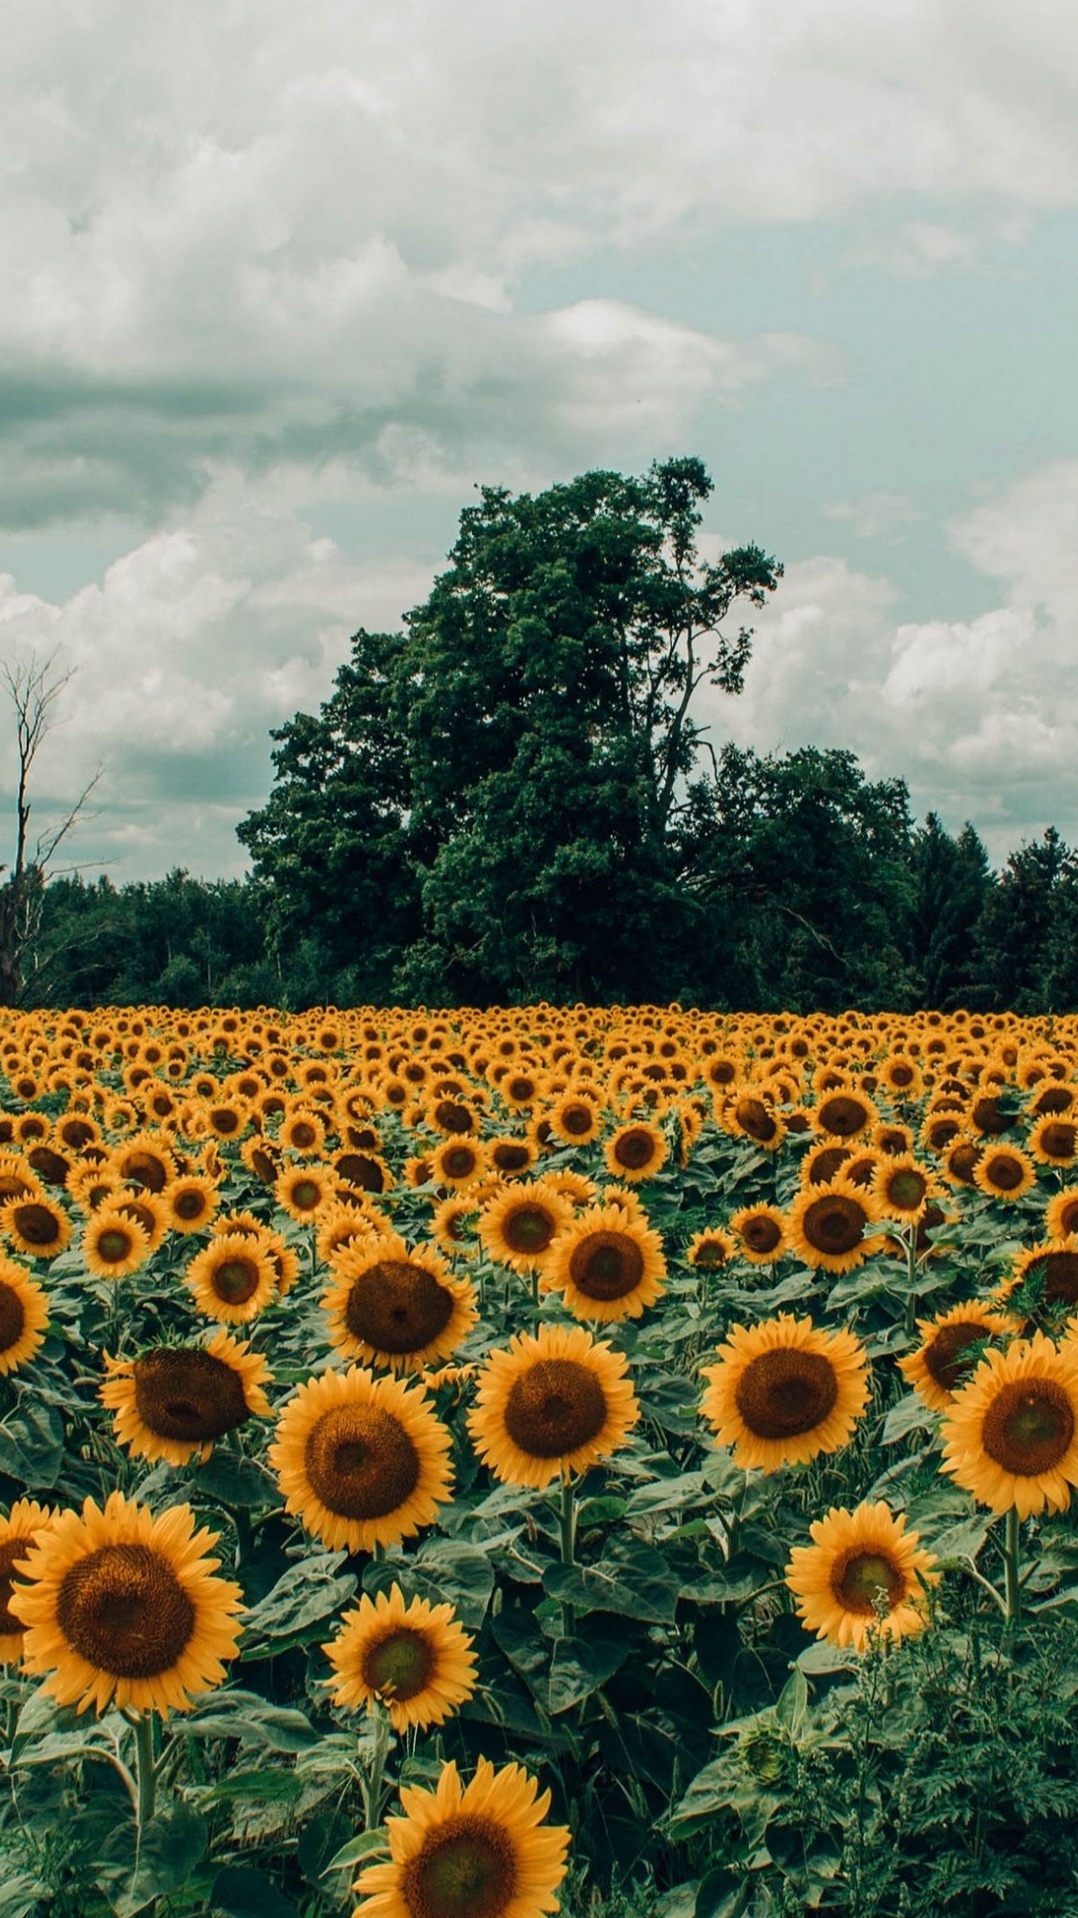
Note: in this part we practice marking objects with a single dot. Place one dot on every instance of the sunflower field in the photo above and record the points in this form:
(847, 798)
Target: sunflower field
(479, 1464)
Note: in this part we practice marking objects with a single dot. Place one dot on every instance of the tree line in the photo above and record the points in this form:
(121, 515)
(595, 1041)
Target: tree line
(515, 798)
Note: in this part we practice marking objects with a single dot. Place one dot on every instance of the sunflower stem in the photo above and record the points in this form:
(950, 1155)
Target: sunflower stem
(374, 1793)
(911, 1274)
(568, 1547)
(1012, 1542)
(145, 1769)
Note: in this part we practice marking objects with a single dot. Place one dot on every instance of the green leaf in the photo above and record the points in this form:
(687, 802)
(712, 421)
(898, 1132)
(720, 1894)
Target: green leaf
(32, 1445)
(20, 1895)
(271, 1785)
(169, 1848)
(965, 1540)
(580, 1666)
(631, 1578)
(235, 1480)
(239, 1891)
(722, 1894)
(911, 1414)
(447, 1571)
(366, 1845)
(248, 1716)
(792, 1706)
(309, 1592)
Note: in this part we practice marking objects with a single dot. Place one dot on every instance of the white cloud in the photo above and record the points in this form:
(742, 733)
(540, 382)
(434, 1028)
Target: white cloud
(880, 515)
(980, 716)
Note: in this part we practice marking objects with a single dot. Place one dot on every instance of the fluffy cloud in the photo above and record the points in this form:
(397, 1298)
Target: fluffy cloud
(271, 235)
(979, 716)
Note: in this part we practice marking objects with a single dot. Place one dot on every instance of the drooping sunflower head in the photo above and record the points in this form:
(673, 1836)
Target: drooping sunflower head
(952, 1346)
(785, 1391)
(361, 1461)
(173, 1402)
(124, 1609)
(863, 1575)
(755, 1118)
(1011, 1435)
(551, 1403)
(520, 1225)
(22, 1527)
(415, 1658)
(475, 1851)
(607, 1264)
(233, 1278)
(393, 1305)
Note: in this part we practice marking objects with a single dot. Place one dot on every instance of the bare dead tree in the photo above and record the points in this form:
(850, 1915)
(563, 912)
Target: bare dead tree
(33, 689)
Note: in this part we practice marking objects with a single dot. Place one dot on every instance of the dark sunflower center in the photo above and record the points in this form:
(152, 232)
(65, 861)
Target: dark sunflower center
(262, 1166)
(11, 1552)
(361, 1170)
(188, 1395)
(459, 1162)
(761, 1232)
(12, 1316)
(466, 1869)
(786, 1393)
(1057, 1140)
(578, 1119)
(949, 1353)
(901, 1074)
(1060, 1277)
(225, 1119)
(606, 1265)
(361, 1462)
(236, 1280)
(306, 1194)
(554, 1407)
(843, 1115)
(988, 1117)
(906, 1189)
(862, 1578)
(123, 1609)
(511, 1158)
(825, 1164)
(962, 1161)
(529, 1228)
(754, 1118)
(399, 1664)
(114, 1245)
(190, 1204)
(1028, 1427)
(1003, 1172)
(710, 1254)
(834, 1224)
(397, 1307)
(453, 1117)
(635, 1149)
(37, 1225)
(142, 1168)
(304, 1134)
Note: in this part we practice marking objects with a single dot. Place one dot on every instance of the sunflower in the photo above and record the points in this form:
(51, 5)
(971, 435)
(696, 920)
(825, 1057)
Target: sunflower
(124, 1609)
(952, 1344)
(709, 1249)
(1011, 1435)
(636, 1152)
(1044, 1276)
(146, 1209)
(1004, 1172)
(784, 1391)
(519, 1227)
(302, 1131)
(821, 1165)
(576, 1118)
(22, 1528)
(233, 1278)
(1053, 1140)
(608, 1264)
(113, 1243)
(458, 1162)
(863, 1574)
(36, 1226)
(342, 1226)
(829, 1224)
(759, 1232)
(845, 1113)
(469, 1851)
(416, 1659)
(901, 1187)
(362, 1461)
(145, 1160)
(755, 1120)
(961, 1158)
(190, 1201)
(367, 1171)
(394, 1305)
(1061, 1213)
(301, 1190)
(449, 1225)
(172, 1401)
(551, 1402)
(261, 1159)
(24, 1316)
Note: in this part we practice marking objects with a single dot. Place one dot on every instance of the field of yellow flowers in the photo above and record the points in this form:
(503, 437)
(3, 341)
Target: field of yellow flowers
(474, 1464)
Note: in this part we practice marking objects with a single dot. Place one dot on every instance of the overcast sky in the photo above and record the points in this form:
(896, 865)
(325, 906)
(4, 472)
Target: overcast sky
(282, 284)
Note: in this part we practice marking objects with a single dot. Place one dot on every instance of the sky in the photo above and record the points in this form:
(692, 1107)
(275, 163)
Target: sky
(283, 285)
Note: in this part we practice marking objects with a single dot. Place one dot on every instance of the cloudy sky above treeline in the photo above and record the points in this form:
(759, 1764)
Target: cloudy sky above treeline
(283, 284)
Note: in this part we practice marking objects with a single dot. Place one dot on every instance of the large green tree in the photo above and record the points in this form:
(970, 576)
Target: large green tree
(491, 805)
